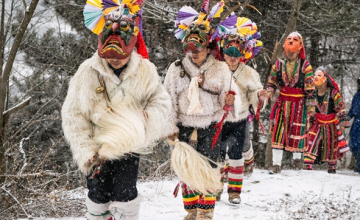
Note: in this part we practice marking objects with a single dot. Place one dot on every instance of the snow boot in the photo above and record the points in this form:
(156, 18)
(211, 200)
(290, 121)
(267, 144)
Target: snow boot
(234, 197)
(97, 211)
(218, 194)
(297, 164)
(248, 169)
(331, 170)
(126, 210)
(204, 215)
(191, 215)
(275, 169)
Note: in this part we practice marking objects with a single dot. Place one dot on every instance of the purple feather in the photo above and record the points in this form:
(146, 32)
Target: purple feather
(108, 4)
(140, 23)
(183, 15)
(230, 21)
(256, 50)
(257, 35)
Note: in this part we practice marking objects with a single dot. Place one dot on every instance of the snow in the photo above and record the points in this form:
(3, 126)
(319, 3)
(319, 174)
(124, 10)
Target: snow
(288, 195)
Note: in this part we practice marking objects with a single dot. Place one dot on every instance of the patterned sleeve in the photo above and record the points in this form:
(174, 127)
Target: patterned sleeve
(340, 109)
(309, 87)
(272, 80)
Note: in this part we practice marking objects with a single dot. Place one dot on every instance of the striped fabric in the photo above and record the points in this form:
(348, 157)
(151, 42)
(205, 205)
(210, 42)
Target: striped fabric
(236, 175)
(250, 161)
(325, 136)
(275, 80)
(290, 119)
(194, 200)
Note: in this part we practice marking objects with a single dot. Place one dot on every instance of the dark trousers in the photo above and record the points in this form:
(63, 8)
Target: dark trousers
(233, 135)
(116, 181)
(204, 141)
(357, 160)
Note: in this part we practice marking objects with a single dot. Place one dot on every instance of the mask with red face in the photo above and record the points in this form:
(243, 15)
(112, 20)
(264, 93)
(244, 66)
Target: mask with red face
(118, 26)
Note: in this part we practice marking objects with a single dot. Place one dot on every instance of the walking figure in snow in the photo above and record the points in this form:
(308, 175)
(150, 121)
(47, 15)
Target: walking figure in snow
(239, 43)
(115, 109)
(294, 75)
(326, 135)
(198, 86)
(355, 128)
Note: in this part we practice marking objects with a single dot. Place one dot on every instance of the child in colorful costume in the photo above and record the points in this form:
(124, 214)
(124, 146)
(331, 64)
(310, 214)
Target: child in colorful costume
(294, 75)
(326, 134)
(239, 43)
(115, 109)
(198, 86)
(355, 128)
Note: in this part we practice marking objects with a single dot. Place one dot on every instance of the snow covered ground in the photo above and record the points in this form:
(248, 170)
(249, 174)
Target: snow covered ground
(289, 195)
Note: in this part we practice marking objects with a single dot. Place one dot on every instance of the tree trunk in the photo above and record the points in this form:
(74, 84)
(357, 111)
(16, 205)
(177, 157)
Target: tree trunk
(279, 51)
(5, 75)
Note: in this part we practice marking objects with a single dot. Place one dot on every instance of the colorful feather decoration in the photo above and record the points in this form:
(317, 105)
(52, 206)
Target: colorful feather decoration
(244, 26)
(205, 7)
(186, 16)
(225, 26)
(94, 16)
(216, 10)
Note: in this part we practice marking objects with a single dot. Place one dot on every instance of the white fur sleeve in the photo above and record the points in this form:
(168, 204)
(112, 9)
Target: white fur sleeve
(76, 124)
(158, 109)
(254, 87)
(170, 87)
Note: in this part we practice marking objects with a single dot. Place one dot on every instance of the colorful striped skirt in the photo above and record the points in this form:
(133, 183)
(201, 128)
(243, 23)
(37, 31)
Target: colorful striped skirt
(289, 120)
(325, 135)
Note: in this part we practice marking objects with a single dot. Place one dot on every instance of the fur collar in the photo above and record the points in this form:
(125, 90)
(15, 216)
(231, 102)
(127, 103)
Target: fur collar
(101, 65)
(193, 69)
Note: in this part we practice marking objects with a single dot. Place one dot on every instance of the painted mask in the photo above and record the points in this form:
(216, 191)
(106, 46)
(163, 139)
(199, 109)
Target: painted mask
(319, 78)
(194, 28)
(196, 37)
(293, 43)
(117, 23)
(232, 46)
(119, 35)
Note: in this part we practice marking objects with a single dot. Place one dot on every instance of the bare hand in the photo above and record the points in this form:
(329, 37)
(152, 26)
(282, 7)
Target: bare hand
(229, 99)
(201, 79)
(90, 162)
(342, 129)
(270, 95)
(173, 137)
(263, 95)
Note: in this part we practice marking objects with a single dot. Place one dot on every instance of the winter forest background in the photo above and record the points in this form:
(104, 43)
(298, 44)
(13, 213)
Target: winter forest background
(42, 49)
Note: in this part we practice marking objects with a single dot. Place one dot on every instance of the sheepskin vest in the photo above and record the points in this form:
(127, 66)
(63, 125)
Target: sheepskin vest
(88, 125)
(249, 80)
(217, 80)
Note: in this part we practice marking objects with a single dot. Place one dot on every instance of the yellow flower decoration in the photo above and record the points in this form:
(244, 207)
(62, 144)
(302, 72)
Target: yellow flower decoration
(244, 26)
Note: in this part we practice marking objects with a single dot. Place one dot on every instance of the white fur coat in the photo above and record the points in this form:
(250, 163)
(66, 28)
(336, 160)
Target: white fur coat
(90, 129)
(217, 79)
(250, 81)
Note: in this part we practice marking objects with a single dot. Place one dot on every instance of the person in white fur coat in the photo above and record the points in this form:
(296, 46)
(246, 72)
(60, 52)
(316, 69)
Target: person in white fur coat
(116, 108)
(236, 47)
(198, 86)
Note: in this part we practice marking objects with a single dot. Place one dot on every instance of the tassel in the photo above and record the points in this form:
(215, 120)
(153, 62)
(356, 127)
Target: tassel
(193, 138)
(194, 169)
(257, 117)
(176, 190)
(141, 47)
(227, 109)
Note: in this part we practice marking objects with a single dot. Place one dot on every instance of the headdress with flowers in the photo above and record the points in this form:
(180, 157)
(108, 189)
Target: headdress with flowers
(239, 36)
(108, 18)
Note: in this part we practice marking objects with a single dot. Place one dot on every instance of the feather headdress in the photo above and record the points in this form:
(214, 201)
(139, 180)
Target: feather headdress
(187, 15)
(95, 11)
(243, 29)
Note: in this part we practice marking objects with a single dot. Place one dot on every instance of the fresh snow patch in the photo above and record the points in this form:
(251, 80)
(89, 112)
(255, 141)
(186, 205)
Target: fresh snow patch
(288, 195)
